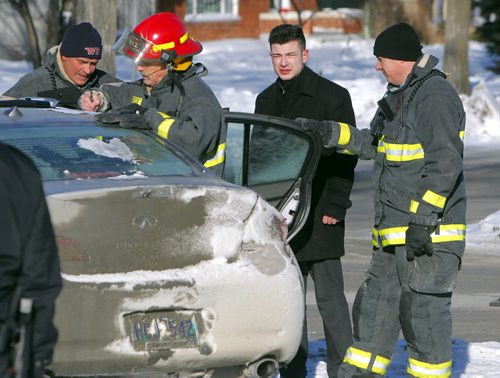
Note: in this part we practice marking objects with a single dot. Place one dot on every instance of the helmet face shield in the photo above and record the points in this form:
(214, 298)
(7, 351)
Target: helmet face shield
(133, 47)
(161, 37)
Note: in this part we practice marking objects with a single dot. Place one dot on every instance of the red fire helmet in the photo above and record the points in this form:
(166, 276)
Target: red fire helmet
(157, 34)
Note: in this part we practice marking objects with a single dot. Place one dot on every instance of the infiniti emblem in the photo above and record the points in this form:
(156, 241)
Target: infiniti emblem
(145, 222)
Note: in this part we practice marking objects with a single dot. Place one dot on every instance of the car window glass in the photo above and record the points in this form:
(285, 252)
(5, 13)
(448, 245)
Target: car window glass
(259, 154)
(89, 152)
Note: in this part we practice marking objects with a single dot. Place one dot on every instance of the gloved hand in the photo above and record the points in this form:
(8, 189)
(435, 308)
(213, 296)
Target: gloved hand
(325, 129)
(418, 241)
(130, 117)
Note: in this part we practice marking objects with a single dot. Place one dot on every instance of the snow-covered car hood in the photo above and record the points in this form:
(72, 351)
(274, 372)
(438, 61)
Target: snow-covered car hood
(116, 230)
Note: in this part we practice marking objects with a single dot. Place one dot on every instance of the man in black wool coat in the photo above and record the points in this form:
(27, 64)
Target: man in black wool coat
(298, 92)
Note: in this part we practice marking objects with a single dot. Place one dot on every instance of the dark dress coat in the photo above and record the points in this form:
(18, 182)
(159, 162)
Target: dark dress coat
(309, 95)
(29, 261)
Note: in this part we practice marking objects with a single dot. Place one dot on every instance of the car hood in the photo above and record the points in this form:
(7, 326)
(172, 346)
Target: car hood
(159, 227)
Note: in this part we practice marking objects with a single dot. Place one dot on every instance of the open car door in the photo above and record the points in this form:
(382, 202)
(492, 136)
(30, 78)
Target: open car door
(277, 159)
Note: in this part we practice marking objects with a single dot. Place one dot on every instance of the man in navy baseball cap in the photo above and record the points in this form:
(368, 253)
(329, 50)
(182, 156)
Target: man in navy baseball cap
(81, 41)
(67, 69)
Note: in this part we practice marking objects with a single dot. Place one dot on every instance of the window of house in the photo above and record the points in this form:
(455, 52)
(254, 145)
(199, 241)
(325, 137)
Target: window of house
(206, 10)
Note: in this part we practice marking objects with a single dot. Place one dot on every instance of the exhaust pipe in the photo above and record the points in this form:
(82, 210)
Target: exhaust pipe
(264, 368)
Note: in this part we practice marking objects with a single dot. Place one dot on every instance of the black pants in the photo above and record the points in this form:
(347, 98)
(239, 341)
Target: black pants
(334, 310)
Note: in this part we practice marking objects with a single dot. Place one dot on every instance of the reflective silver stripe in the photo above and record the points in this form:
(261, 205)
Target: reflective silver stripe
(392, 236)
(361, 359)
(219, 157)
(449, 232)
(444, 233)
(425, 370)
(357, 357)
(403, 152)
(380, 365)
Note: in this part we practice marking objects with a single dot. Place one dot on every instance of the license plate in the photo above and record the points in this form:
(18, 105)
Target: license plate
(163, 329)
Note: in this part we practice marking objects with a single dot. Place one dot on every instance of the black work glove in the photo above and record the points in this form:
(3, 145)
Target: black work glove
(418, 241)
(129, 117)
(323, 128)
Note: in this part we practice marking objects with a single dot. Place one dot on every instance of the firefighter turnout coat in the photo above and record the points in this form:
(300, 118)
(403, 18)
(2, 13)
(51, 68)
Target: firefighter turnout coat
(416, 141)
(181, 108)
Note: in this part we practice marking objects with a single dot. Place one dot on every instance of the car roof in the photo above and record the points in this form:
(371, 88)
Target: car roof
(13, 118)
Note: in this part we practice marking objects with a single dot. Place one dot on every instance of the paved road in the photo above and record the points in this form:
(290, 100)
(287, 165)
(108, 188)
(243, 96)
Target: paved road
(479, 280)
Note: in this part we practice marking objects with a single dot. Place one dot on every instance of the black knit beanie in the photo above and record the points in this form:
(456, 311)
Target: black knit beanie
(399, 42)
(82, 41)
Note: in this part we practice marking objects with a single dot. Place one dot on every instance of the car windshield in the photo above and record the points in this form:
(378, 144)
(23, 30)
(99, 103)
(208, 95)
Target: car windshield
(91, 152)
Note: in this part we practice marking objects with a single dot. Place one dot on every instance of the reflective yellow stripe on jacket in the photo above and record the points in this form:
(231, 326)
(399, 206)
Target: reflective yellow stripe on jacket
(404, 152)
(344, 138)
(401, 152)
(422, 369)
(165, 126)
(362, 359)
(220, 156)
(431, 198)
(397, 235)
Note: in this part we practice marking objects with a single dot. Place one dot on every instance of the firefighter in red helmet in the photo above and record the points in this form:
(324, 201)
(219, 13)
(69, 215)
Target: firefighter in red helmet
(171, 97)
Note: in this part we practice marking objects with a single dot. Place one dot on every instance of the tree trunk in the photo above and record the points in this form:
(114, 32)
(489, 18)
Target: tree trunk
(53, 28)
(103, 15)
(368, 19)
(456, 49)
(21, 6)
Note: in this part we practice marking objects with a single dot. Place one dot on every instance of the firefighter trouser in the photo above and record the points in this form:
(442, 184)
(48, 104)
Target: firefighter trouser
(414, 297)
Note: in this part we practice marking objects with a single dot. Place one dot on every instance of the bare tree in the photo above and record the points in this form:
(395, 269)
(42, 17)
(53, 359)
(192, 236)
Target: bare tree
(53, 27)
(103, 15)
(21, 6)
(456, 49)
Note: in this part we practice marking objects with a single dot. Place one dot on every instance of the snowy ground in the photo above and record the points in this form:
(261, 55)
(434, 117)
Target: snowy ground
(240, 69)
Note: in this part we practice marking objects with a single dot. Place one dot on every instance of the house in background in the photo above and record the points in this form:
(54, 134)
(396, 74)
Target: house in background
(220, 19)
(206, 19)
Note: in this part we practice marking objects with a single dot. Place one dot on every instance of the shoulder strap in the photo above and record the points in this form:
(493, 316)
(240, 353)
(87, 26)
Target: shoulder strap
(419, 83)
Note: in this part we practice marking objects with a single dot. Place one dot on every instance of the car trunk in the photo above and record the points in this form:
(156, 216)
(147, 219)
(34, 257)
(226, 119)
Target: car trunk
(137, 259)
(143, 228)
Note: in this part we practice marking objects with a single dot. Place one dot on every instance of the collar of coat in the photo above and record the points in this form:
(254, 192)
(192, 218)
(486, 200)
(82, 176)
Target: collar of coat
(304, 83)
(196, 69)
(421, 68)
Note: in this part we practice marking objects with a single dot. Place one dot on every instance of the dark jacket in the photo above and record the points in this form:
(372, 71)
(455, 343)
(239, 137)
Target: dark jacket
(28, 254)
(52, 77)
(311, 96)
(191, 117)
(418, 159)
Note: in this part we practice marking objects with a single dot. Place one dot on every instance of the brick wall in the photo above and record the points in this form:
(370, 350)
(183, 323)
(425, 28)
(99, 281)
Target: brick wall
(256, 18)
(246, 26)
(313, 22)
